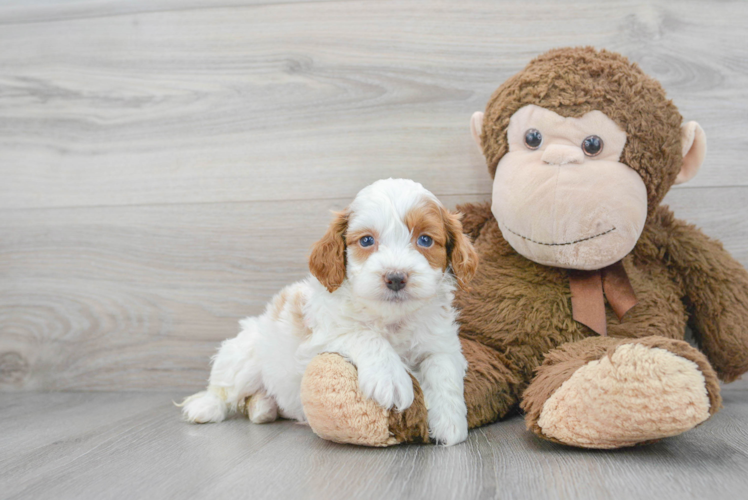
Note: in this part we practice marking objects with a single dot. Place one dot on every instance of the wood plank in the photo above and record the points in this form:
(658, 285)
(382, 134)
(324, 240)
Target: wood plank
(43, 11)
(311, 100)
(138, 298)
(104, 445)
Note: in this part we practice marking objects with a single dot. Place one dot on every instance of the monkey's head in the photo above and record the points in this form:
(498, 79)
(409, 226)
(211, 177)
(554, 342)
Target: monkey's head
(582, 146)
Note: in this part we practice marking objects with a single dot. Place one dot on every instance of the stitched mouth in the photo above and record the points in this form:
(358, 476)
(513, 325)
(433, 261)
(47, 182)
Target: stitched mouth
(561, 244)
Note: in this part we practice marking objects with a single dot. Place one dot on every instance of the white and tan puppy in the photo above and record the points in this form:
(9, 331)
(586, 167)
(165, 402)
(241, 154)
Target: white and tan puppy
(380, 294)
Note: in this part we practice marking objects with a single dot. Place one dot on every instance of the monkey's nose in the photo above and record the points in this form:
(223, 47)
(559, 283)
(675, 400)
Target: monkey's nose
(395, 281)
(561, 154)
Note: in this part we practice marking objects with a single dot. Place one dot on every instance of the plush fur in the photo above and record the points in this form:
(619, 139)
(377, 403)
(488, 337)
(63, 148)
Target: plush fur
(664, 395)
(573, 82)
(517, 331)
(365, 422)
(537, 191)
(564, 363)
(394, 234)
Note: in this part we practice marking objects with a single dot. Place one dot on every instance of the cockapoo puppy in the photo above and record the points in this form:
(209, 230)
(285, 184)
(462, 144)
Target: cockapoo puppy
(380, 294)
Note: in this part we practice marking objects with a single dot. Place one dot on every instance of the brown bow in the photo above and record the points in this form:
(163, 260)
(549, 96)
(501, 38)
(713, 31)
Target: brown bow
(588, 302)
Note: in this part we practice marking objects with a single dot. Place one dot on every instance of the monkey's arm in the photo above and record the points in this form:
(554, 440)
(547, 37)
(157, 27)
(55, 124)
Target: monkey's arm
(716, 294)
(607, 392)
(336, 408)
(474, 217)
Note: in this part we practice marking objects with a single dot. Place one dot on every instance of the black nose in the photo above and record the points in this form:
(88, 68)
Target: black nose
(395, 281)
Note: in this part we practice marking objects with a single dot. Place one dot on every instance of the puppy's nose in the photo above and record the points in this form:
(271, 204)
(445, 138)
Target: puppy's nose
(395, 281)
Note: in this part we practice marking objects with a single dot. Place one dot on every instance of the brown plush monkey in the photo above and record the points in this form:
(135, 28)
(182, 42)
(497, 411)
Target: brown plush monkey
(586, 283)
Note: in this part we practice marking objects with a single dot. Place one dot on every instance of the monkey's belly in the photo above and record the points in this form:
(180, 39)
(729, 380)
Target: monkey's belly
(660, 309)
(523, 309)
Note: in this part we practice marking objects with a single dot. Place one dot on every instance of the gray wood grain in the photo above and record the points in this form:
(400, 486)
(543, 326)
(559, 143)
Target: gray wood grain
(138, 297)
(133, 445)
(106, 104)
(165, 165)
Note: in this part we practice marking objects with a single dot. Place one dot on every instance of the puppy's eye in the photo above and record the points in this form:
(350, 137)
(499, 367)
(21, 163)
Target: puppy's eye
(425, 241)
(533, 138)
(592, 145)
(366, 241)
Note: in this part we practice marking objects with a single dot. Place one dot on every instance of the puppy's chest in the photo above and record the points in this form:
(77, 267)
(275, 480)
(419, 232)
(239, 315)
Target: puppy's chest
(404, 339)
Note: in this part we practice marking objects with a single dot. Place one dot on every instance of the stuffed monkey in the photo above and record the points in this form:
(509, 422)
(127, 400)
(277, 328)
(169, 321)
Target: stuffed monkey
(586, 283)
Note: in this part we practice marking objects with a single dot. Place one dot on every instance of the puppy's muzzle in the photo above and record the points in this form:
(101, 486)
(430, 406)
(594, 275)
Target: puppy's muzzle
(395, 281)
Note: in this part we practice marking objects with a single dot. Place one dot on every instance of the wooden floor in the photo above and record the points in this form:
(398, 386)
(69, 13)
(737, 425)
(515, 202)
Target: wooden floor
(133, 445)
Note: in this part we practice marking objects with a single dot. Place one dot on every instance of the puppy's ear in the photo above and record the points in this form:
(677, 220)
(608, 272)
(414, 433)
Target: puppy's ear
(463, 259)
(327, 261)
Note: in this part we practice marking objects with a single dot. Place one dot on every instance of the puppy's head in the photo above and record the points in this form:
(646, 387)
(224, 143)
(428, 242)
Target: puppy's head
(395, 243)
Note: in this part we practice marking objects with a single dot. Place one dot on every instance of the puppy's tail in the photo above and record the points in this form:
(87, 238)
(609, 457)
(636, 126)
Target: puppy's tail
(204, 407)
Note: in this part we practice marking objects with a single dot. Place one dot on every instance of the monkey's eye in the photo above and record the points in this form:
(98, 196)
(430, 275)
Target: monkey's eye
(425, 241)
(366, 241)
(533, 138)
(592, 145)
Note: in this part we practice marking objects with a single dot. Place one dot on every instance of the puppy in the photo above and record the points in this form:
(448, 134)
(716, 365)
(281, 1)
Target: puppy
(380, 294)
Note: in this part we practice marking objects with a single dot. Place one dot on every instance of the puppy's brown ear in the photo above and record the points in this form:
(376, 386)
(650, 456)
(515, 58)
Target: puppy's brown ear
(463, 259)
(327, 261)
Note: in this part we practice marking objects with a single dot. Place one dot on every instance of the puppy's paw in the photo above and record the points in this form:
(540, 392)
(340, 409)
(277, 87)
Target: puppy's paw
(447, 429)
(203, 407)
(389, 385)
(262, 409)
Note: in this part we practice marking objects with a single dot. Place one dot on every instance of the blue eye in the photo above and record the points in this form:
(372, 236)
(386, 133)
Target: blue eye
(366, 241)
(425, 241)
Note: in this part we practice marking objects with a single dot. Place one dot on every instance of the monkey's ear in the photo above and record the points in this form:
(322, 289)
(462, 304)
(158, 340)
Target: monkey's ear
(476, 126)
(327, 261)
(693, 142)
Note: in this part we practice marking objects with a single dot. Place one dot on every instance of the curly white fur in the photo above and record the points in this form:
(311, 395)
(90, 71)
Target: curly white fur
(385, 334)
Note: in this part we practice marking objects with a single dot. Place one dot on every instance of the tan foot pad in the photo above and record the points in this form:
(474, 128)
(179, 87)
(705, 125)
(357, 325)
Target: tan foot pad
(638, 394)
(337, 410)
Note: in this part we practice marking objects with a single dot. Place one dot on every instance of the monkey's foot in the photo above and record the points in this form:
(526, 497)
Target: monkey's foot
(337, 410)
(632, 392)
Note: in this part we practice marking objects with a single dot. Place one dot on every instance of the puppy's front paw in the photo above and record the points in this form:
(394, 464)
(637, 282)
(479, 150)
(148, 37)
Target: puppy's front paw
(447, 429)
(389, 385)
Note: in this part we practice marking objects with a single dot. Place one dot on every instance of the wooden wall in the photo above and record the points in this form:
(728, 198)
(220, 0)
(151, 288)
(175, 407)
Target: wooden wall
(165, 166)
